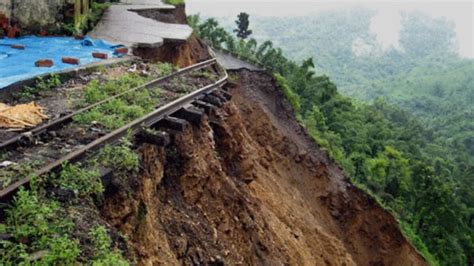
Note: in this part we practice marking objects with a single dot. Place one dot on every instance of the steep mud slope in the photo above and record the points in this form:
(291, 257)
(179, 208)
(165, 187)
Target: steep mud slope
(248, 186)
(180, 54)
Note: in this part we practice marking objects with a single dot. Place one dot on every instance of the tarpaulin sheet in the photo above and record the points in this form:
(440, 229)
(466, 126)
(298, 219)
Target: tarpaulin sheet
(16, 64)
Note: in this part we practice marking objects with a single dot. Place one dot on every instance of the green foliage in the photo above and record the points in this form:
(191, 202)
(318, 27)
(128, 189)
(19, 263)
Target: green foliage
(9, 173)
(103, 255)
(242, 31)
(122, 110)
(36, 226)
(163, 69)
(93, 92)
(288, 92)
(120, 157)
(100, 240)
(81, 181)
(174, 2)
(69, 27)
(117, 112)
(41, 85)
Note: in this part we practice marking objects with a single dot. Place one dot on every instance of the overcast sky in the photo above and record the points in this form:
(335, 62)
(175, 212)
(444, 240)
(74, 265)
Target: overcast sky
(386, 23)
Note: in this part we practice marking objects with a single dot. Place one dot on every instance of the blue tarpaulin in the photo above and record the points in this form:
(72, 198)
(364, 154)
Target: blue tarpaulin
(16, 64)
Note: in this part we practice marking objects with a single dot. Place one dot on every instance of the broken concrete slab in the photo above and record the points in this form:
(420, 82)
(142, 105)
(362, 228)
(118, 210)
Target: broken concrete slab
(230, 62)
(122, 24)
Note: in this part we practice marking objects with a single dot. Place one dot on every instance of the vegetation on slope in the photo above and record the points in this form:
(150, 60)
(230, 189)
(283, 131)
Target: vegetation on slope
(383, 149)
(174, 2)
(423, 75)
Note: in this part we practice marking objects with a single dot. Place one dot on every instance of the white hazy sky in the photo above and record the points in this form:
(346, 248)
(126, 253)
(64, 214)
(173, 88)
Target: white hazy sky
(386, 24)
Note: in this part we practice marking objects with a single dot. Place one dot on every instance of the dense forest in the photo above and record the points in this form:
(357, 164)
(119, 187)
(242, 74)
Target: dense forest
(413, 163)
(424, 75)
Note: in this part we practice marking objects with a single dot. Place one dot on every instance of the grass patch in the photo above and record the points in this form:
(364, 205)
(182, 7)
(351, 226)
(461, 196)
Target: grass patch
(163, 69)
(123, 158)
(96, 92)
(104, 255)
(15, 171)
(81, 181)
(41, 85)
(118, 112)
(39, 234)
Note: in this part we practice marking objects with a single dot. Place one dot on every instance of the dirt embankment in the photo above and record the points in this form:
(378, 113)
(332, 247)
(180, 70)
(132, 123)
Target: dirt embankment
(181, 54)
(250, 187)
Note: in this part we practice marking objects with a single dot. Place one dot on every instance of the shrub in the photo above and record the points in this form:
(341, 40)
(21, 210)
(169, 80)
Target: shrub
(119, 157)
(81, 181)
(173, 2)
(102, 245)
(290, 95)
(36, 226)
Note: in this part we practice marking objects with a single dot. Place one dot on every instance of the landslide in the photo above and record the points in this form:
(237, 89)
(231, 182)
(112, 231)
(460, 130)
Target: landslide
(248, 186)
(178, 53)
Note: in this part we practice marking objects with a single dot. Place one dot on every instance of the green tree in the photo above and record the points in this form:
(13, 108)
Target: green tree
(243, 23)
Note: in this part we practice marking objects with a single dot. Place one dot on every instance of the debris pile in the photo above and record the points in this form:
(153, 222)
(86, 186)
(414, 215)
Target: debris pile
(21, 116)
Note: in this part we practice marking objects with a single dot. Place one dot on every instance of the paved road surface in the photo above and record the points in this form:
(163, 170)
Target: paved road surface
(231, 63)
(121, 25)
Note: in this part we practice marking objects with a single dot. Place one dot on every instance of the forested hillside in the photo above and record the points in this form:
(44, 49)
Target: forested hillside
(424, 179)
(424, 75)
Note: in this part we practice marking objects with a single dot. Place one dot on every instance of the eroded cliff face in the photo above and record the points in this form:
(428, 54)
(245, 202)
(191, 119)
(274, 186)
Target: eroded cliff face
(248, 186)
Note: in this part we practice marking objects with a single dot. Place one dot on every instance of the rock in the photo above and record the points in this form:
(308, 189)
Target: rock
(7, 237)
(181, 246)
(62, 195)
(217, 261)
(39, 14)
(71, 60)
(44, 63)
(6, 164)
(100, 55)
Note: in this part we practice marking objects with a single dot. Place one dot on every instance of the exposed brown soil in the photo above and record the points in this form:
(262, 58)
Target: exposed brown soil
(176, 15)
(250, 188)
(181, 54)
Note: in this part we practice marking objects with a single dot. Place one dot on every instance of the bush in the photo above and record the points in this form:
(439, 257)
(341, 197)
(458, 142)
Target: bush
(120, 157)
(36, 228)
(290, 95)
(102, 246)
(174, 2)
(81, 181)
